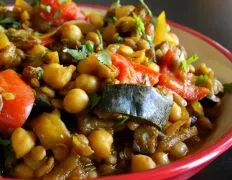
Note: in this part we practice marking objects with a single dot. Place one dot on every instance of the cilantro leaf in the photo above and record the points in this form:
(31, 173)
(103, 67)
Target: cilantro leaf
(140, 27)
(228, 87)
(4, 142)
(119, 39)
(89, 47)
(153, 19)
(104, 57)
(10, 22)
(201, 79)
(57, 14)
(94, 99)
(76, 54)
(46, 8)
(100, 38)
(190, 60)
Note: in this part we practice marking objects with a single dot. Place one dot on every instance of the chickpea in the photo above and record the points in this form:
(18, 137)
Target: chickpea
(96, 18)
(108, 33)
(125, 50)
(179, 150)
(71, 32)
(139, 56)
(161, 158)
(22, 142)
(131, 42)
(57, 76)
(101, 142)
(88, 83)
(60, 151)
(175, 113)
(143, 44)
(153, 66)
(23, 171)
(141, 163)
(75, 101)
(38, 153)
(92, 36)
(124, 11)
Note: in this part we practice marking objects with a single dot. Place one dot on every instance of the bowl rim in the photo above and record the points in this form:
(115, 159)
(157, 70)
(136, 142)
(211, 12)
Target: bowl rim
(200, 157)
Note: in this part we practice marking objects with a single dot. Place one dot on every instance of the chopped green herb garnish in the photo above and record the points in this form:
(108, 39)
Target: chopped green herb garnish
(94, 99)
(228, 87)
(10, 22)
(89, 47)
(201, 79)
(76, 54)
(153, 19)
(35, 2)
(100, 38)
(46, 8)
(57, 14)
(140, 27)
(117, 3)
(185, 64)
(104, 57)
(4, 142)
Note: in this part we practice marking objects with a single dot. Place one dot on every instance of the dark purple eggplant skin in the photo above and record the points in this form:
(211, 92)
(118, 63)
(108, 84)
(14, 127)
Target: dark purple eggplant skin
(210, 101)
(142, 102)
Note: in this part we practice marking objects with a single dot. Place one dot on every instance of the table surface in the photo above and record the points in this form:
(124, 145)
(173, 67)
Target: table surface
(212, 18)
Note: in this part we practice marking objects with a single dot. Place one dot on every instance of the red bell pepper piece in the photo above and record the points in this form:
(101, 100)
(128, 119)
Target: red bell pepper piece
(15, 112)
(66, 12)
(133, 73)
(47, 41)
(174, 82)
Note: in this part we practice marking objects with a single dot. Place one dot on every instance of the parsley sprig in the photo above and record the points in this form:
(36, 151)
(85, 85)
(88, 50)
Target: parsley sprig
(201, 79)
(9, 21)
(153, 19)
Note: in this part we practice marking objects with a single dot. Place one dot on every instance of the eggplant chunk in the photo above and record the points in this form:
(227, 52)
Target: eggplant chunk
(141, 102)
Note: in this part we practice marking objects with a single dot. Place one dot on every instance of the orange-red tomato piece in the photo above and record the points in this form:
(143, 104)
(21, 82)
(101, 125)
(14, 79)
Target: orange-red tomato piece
(15, 112)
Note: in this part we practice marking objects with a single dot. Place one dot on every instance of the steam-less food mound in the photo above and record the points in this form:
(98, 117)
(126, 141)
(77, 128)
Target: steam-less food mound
(84, 95)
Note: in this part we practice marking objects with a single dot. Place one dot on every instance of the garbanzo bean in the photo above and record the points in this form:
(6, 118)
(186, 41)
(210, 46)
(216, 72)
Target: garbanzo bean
(161, 158)
(60, 151)
(76, 101)
(101, 142)
(92, 36)
(124, 11)
(57, 76)
(38, 153)
(125, 50)
(141, 163)
(71, 32)
(143, 44)
(22, 142)
(23, 171)
(88, 83)
(175, 113)
(45, 168)
(179, 150)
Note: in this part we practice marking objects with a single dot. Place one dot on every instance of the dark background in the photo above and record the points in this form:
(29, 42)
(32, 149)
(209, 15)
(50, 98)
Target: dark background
(212, 18)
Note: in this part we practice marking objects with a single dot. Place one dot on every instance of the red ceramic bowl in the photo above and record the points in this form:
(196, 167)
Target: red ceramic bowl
(220, 59)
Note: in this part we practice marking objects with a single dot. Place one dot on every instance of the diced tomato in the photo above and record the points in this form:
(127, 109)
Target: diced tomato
(66, 11)
(47, 41)
(15, 112)
(133, 73)
(175, 82)
(185, 90)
